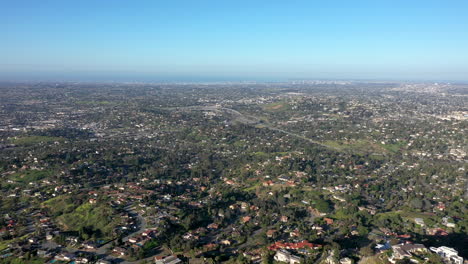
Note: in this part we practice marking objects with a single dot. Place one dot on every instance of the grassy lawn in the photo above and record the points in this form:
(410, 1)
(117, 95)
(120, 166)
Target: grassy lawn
(412, 215)
(4, 244)
(394, 148)
(356, 146)
(253, 187)
(365, 146)
(276, 107)
(30, 176)
(72, 217)
(60, 204)
(99, 217)
(408, 216)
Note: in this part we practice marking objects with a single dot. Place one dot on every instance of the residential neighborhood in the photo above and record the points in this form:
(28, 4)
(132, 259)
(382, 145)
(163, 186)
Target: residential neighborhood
(295, 172)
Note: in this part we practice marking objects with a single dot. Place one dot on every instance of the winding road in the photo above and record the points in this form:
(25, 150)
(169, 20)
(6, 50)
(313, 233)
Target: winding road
(141, 226)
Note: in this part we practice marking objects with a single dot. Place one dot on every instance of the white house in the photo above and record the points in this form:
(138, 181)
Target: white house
(419, 221)
(285, 256)
(450, 255)
(167, 260)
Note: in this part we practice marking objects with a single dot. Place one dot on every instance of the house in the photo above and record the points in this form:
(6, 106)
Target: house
(294, 233)
(89, 245)
(189, 236)
(437, 232)
(103, 261)
(254, 256)
(119, 251)
(339, 198)
(419, 221)
(268, 183)
(229, 182)
(317, 227)
(382, 247)
(49, 236)
(244, 206)
(134, 239)
(402, 251)
(284, 256)
(284, 178)
(441, 206)
(448, 222)
(71, 239)
(213, 226)
(225, 242)
(303, 244)
(210, 246)
(246, 219)
(291, 183)
(404, 236)
(44, 253)
(271, 233)
(451, 225)
(167, 260)
(330, 259)
(450, 255)
(148, 233)
(346, 261)
(64, 257)
(81, 260)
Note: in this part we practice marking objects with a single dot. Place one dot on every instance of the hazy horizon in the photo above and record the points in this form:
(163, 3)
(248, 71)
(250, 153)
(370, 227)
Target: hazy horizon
(221, 41)
(150, 78)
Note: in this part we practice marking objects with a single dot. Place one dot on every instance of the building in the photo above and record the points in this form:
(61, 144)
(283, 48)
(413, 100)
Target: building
(405, 251)
(419, 221)
(270, 233)
(284, 219)
(346, 261)
(119, 251)
(284, 256)
(449, 255)
(103, 261)
(295, 246)
(329, 221)
(167, 260)
(383, 247)
(64, 257)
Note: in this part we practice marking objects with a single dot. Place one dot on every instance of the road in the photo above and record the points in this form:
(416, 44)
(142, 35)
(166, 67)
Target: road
(141, 226)
(249, 120)
(141, 223)
(300, 137)
(102, 251)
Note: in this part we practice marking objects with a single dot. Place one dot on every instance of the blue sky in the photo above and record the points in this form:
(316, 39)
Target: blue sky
(264, 40)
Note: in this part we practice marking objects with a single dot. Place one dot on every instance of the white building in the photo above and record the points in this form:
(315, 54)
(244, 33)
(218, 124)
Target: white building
(167, 260)
(285, 256)
(419, 221)
(449, 255)
(346, 261)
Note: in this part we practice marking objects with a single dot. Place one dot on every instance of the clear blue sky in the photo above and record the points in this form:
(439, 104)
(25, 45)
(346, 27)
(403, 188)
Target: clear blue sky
(271, 40)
